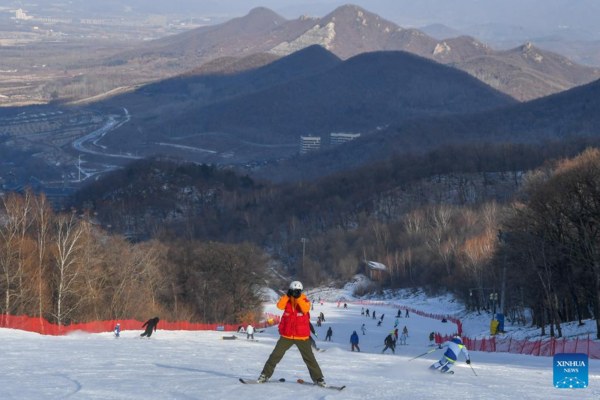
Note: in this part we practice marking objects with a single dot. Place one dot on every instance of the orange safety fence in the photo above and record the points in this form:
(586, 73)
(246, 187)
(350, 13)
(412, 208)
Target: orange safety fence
(41, 326)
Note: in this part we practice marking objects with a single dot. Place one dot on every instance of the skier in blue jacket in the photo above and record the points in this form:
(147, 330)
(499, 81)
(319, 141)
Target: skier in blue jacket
(118, 331)
(455, 347)
(354, 341)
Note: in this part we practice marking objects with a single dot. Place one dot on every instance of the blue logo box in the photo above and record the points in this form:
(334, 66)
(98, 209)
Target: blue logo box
(571, 371)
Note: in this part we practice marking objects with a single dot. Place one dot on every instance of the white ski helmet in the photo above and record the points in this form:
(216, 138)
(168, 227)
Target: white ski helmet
(296, 285)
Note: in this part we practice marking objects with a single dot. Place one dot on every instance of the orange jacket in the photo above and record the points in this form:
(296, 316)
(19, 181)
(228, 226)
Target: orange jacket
(295, 322)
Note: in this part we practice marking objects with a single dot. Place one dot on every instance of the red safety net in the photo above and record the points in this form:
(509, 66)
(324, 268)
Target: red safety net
(540, 347)
(40, 325)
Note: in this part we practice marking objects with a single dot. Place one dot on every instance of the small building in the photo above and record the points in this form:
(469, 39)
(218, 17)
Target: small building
(309, 143)
(376, 271)
(341, 138)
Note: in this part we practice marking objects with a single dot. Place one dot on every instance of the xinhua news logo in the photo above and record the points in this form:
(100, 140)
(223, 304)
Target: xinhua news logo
(571, 371)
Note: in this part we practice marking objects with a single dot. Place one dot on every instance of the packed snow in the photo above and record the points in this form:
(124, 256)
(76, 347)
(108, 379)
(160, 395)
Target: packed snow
(199, 365)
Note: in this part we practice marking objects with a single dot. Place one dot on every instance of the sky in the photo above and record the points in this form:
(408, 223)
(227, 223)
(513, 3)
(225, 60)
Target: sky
(543, 15)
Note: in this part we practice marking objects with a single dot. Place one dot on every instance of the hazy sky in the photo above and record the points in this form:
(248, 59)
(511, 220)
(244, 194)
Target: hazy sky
(540, 14)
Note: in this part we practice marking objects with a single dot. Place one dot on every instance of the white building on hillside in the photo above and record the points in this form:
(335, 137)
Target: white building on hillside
(341, 138)
(309, 143)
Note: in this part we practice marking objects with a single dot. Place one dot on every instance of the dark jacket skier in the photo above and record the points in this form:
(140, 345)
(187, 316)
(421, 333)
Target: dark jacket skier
(329, 334)
(389, 344)
(150, 327)
(354, 341)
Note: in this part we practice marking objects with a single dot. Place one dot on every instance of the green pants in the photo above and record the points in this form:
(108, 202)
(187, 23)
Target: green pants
(283, 345)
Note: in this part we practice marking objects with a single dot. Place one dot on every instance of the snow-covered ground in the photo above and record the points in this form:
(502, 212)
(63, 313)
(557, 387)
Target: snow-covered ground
(474, 325)
(198, 365)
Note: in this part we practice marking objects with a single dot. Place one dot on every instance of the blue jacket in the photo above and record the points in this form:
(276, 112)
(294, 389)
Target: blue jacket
(354, 338)
(455, 347)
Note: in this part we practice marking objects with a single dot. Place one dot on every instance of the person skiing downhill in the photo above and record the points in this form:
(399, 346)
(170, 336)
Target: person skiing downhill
(389, 344)
(329, 334)
(402, 337)
(313, 343)
(362, 311)
(364, 329)
(374, 317)
(322, 317)
(250, 332)
(382, 315)
(405, 331)
(399, 314)
(396, 323)
(354, 341)
(118, 331)
(150, 327)
(294, 329)
(345, 305)
(367, 312)
(455, 347)
(431, 338)
(407, 314)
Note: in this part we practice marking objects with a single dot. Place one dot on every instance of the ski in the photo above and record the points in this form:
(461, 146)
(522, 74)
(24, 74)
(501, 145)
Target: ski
(338, 388)
(254, 382)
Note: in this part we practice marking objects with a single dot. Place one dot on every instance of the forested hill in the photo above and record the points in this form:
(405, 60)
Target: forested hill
(572, 113)
(164, 198)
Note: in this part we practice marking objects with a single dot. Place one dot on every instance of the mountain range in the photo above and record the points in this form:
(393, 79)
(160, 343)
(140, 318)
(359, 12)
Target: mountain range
(309, 92)
(349, 31)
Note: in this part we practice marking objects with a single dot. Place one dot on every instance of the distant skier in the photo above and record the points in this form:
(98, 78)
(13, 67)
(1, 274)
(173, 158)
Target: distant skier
(294, 329)
(354, 341)
(389, 344)
(431, 338)
(455, 347)
(367, 312)
(374, 317)
(319, 322)
(399, 315)
(405, 331)
(345, 305)
(339, 302)
(118, 331)
(396, 334)
(364, 329)
(322, 317)
(394, 337)
(250, 332)
(407, 314)
(402, 338)
(378, 323)
(150, 327)
(382, 315)
(312, 341)
(362, 311)
(396, 322)
(329, 334)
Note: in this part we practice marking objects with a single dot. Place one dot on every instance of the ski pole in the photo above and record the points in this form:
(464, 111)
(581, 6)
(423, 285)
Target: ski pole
(379, 346)
(472, 369)
(424, 354)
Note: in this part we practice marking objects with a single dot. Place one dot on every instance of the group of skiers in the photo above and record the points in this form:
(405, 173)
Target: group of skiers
(150, 326)
(295, 329)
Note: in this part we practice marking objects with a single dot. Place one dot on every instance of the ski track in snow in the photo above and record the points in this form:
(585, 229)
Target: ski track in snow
(198, 365)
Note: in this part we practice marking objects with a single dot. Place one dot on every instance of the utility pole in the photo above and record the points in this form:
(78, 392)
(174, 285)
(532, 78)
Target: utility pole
(80, 168)
(502, 240)
(304, 241)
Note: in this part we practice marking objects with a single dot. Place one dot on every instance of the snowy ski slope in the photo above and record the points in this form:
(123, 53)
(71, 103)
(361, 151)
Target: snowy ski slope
(198, 365)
